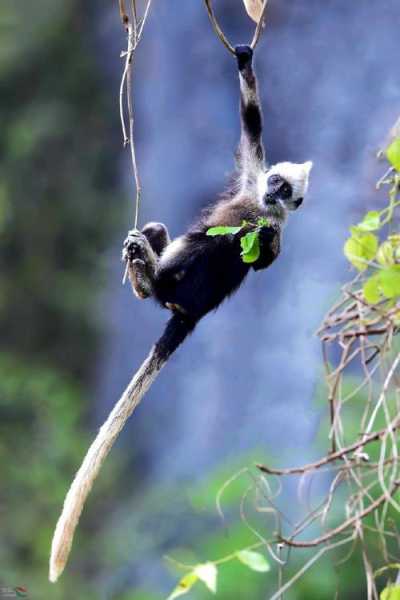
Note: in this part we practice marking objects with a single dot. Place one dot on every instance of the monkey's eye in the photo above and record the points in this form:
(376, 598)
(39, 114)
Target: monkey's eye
(285, 191)
(275, 180)
(280, 186)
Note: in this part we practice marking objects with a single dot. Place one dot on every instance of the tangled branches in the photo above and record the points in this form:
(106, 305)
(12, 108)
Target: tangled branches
(359, 345)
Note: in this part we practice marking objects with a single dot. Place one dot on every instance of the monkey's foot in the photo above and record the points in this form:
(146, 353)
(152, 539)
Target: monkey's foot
(244, 56)
(140, 281)
(142, 262)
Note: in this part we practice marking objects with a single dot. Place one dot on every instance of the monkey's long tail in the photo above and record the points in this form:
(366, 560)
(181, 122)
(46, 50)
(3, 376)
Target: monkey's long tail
(177, 328)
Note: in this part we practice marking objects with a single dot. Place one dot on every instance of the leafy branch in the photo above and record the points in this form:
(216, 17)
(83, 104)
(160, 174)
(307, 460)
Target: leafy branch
(208, 572)
(249, 242)
(365, 251)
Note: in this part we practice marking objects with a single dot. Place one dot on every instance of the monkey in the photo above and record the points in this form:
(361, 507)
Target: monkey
(191, 275)
(194, 273)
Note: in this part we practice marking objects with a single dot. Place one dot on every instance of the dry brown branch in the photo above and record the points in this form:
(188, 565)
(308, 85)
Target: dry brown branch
(330, 457)
(221, 35)
(134, 29)
(322, 539)
(217, 28)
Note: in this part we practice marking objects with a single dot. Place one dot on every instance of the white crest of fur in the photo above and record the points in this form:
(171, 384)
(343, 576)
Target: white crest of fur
(297, 174)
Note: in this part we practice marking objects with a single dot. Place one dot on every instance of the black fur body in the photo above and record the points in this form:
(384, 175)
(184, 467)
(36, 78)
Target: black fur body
(193, 274)
(209, 269)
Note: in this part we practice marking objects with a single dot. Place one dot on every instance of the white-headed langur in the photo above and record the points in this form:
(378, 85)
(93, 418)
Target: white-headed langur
(193, 274)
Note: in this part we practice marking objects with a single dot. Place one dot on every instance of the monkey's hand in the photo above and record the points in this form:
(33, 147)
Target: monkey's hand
(244, 56)
(135, 246)
(142, 263)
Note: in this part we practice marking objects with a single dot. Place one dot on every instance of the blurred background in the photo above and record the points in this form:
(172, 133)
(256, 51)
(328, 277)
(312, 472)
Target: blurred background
(243, 387)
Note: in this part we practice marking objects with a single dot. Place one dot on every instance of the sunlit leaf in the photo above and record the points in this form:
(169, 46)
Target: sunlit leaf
(385, 254)
(393, 154)
(253, 560)
(254, 9)
(208, 575)
(184, 585)
(390, 282)
(391, 593)
(371, 221)
(263, 222)
(371, 290)
(360, 248)
(247, 241)
(223, 230)
(250, 244)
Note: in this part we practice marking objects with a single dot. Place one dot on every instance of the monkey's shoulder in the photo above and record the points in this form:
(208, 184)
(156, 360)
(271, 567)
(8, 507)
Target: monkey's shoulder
(232, 212)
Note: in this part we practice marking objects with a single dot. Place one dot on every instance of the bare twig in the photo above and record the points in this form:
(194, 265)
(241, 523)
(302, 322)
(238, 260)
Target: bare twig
(221, 35)
(134, 30)
(330, 457)
(217, 28)
(343, 526)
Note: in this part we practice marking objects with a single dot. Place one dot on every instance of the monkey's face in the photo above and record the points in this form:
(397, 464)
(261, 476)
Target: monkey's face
(283, 187)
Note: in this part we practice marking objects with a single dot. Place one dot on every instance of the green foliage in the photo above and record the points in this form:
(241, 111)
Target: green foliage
(208, 572)
(250, 245)
(361, 248)
(57, 216)
(249, 242)
(253, 560)
(224, 230)
(379, 261)
(391, 593)
(393, 154)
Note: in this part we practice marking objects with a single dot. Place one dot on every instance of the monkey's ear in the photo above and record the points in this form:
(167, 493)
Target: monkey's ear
(244, 55)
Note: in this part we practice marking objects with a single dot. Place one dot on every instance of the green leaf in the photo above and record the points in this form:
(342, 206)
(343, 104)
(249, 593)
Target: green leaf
(385, 254)
(223, 230)
(247, 241)
(184, 585)
(390, 282)
(390, 593)
(250, 244)
(360, 248)
(371, 289)
(253, 560)
(207, 572)
(263, 222)
(393, 154)
(371, 221)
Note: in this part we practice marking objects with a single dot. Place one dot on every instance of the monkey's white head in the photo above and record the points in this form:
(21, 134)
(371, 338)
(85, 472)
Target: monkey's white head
(283, 187)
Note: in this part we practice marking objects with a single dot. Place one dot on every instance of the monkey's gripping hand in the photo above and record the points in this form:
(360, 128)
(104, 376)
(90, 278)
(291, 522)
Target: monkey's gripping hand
(134, 246)
(142, 263)
(244, 56)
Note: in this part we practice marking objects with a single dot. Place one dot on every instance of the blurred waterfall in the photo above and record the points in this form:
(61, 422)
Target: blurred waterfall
(331, 88)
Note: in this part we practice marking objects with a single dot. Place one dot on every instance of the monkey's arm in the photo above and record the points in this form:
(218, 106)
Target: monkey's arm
(270, 244)
(250, 153)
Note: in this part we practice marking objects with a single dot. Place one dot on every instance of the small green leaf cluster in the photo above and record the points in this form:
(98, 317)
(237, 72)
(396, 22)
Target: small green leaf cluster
(380, 260)
(249, 242)
(390, 593)
(393, 154)
(208, 572)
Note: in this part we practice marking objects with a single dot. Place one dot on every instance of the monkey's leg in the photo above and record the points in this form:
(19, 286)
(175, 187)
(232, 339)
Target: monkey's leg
(143, 263)
(158, 236)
